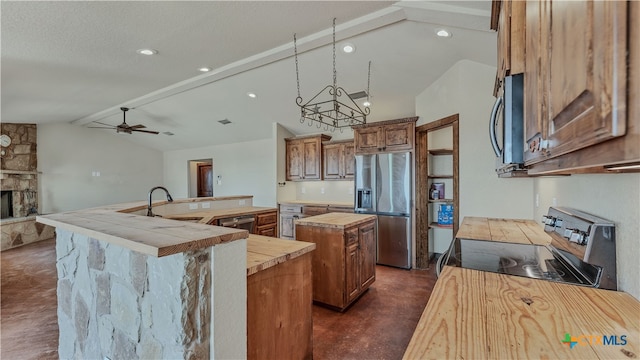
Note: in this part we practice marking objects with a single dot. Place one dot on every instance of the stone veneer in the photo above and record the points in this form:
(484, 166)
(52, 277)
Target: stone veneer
(22, 231)
(116, 303)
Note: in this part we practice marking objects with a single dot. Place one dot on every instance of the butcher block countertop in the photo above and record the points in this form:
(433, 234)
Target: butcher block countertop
(264, 252)
(207, 216)
(148, 235)
(474, 314)
(510, 230)
(335, 220)
(318, 203)
(482, 315)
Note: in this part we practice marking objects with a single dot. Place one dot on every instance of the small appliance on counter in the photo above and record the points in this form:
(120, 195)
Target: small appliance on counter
(582, 252)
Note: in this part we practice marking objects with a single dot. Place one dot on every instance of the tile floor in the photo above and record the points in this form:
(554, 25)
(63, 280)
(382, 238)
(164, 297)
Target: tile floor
(378, 326)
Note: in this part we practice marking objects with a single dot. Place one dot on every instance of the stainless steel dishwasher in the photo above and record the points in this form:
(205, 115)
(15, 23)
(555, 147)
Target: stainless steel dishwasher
(244, 222)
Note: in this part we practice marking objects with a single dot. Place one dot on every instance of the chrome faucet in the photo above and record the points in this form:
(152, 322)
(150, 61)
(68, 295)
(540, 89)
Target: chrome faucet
(169, 198)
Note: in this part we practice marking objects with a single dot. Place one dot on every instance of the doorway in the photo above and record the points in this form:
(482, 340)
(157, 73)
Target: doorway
(201, 178)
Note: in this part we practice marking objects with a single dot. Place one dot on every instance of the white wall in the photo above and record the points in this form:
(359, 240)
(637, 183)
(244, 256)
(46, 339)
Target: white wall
(615, 197)
(68, 155)
(246, 168)
(467, 88)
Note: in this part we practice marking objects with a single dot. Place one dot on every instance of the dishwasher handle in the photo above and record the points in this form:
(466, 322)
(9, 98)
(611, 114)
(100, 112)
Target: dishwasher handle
(237, 221)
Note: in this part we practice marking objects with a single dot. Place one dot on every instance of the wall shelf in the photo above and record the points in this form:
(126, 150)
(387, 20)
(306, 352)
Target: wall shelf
(438, 226)
(435, 201)
(440, 176)
(441, 152)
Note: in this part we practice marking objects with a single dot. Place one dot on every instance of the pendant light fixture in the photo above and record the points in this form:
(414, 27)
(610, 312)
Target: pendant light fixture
(332, 106)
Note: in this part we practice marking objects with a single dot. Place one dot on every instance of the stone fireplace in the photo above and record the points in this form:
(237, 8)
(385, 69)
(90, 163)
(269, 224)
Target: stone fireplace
(19, 187)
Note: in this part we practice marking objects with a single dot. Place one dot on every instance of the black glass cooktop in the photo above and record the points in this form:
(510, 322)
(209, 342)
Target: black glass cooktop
(533, 261)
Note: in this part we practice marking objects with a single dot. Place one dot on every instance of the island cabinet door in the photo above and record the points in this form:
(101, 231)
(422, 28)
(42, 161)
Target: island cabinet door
(352, 265)
(367, 242)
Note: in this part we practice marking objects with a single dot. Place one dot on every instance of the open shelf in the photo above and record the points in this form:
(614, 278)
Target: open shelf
(441, 151)
(440, 176)
(441, 201)
(436, 225)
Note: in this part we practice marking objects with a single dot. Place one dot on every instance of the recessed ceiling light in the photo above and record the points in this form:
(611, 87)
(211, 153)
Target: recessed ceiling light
(147, 51)
(443, 33)
(204, 69)
(252, 95)
(348, 48)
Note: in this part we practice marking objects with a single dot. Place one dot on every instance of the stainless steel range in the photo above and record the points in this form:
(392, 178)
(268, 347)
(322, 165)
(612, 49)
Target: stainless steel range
(582, 252)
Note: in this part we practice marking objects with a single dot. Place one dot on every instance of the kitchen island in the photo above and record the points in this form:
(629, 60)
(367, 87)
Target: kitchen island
(132, 286)
(344, 262)
(475, 314)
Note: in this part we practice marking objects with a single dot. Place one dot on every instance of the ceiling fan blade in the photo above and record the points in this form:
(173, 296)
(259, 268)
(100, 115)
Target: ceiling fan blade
(139, 126)
(101, 127)
(101, 123)
(145, 131)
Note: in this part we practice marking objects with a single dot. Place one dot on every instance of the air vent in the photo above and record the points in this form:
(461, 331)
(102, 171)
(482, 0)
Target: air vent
(169, 133)
(224, 121)
(358, 95)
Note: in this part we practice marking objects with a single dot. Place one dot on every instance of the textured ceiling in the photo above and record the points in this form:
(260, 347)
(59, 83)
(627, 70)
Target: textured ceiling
(76, 61)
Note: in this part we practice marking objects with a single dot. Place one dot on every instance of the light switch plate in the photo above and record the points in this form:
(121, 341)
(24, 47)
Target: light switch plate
(193, 206)
(241, 202)
(206, 205)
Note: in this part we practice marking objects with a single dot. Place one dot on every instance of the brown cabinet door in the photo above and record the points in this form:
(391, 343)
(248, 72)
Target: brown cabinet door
(367, 240)
(312, 159)
(352, 272)
(333, 158)
(368, 140)
(585, 74)
(294, 160)
(398, 136)
(349, 161)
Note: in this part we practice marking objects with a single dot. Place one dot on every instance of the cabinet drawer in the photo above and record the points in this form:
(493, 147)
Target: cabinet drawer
(267, 218)
(351, 236)
(291, 208)
(314, 210)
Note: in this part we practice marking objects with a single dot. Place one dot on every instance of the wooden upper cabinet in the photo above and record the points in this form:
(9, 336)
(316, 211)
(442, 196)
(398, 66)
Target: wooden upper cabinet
(508, 18)
(385, 136)
(304, 157)
(339, 160)
(576, 76)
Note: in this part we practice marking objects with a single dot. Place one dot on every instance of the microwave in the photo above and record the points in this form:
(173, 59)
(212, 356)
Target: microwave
(506, 129)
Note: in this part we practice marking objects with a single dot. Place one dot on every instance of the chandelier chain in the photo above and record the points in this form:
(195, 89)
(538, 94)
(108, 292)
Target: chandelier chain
(368, 80)
(295, 50)
(335, 77)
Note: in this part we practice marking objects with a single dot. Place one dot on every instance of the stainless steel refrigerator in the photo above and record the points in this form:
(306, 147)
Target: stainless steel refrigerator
(383, 187)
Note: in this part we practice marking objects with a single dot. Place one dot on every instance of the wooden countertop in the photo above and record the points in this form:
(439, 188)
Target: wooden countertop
(148, 235)
(504, 230)
(264, 252)
(318, 203)
(206, 216)
(335, 220)
(478, 315)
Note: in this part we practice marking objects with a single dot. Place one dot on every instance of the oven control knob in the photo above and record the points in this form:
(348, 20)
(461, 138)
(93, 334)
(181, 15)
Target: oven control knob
(550, 221)
(568, 232)
(577, 236)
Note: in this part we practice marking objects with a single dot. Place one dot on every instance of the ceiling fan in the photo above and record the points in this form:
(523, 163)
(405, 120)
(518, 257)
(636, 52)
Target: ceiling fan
(124, 127)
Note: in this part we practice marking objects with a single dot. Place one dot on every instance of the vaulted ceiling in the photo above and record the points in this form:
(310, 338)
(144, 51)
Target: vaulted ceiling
(76, 61)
